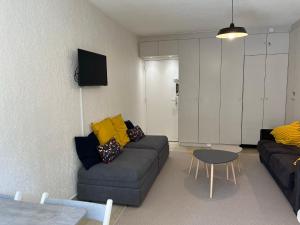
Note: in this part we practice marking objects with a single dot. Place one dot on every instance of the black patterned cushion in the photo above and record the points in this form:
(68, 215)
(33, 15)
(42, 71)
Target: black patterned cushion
(129, 124)
(135, 134)
(109, 151)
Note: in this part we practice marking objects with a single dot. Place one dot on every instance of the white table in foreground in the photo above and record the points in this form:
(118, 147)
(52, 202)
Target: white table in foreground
(26, 213)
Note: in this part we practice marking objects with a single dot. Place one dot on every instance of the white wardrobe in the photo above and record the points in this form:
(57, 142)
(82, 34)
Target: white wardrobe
(209, 91)
(293, 90)
(265, 82)
(229, 90)
(188, 90)
(210, 96)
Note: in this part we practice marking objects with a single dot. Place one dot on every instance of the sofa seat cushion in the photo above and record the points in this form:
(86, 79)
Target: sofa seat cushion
(283, 169)
(267, 148)
(127, 170)
(150, 142)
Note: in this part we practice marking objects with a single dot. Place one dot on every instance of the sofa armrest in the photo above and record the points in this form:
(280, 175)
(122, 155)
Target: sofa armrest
(265, 134)
(296, 206)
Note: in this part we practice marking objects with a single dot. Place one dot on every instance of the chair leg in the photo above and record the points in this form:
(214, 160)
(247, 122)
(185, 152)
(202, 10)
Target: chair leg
(197, 169)
(211, 180)
(227, 171)
(207, 173)
(233, 172)
(191, 164)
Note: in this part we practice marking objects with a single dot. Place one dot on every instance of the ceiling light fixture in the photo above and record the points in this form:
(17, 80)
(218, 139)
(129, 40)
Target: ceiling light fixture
(232, 31)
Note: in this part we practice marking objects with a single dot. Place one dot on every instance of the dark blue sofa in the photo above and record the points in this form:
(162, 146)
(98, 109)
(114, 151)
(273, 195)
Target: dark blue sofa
(278, 159)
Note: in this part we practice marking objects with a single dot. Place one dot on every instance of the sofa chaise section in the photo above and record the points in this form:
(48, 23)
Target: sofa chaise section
(126, 180)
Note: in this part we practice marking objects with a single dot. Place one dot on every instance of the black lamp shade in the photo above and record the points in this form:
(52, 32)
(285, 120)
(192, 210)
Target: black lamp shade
(232, 32)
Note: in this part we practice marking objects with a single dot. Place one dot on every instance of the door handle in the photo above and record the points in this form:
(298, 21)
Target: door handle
(175, 100)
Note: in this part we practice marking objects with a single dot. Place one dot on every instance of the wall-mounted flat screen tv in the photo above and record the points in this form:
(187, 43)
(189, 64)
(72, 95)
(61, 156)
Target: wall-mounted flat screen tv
(92, 69)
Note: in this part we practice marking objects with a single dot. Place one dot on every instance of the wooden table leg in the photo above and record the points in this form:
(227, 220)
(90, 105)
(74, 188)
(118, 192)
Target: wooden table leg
(211, 180)
(197, 169)
(191, 164)
(207, 173)
(233, 172)
(227, 171)
(238, 164)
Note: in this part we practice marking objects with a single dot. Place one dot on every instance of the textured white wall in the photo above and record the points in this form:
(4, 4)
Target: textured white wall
(39, 101)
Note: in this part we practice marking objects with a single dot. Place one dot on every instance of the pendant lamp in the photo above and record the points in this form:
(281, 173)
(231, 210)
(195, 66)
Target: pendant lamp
(232, 31)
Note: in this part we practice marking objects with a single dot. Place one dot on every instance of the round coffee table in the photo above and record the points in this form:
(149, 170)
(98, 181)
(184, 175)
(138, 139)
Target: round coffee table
(214, 157)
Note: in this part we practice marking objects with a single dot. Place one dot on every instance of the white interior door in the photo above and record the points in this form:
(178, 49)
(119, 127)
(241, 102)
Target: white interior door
(275, 90)
(253, 100)
(209, 97)
(161, 99)
(231, 91)
(188, 90)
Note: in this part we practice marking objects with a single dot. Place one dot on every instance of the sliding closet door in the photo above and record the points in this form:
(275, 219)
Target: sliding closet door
(253, 98)
(231, 91)
(188, 90)
(275, 90)
(291, 79)
(209, 92)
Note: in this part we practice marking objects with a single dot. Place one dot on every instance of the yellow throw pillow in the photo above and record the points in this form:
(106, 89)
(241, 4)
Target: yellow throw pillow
(288, 134)
(104, 130)
(121, 129)
(295, 124)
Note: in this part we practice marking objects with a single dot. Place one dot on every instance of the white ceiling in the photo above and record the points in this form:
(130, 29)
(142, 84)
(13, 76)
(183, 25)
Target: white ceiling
(158, 17)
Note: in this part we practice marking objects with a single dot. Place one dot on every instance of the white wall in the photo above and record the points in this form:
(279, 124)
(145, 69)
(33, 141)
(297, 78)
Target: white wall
(293, 87)
(39, 101)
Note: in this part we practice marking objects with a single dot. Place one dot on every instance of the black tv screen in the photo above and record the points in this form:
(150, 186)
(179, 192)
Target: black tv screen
(92, 69)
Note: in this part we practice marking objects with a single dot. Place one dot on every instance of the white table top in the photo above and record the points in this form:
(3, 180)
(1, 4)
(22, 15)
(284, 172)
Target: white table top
(26, 213)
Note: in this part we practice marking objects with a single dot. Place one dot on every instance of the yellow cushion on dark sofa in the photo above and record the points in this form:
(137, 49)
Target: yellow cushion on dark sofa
(288, 134)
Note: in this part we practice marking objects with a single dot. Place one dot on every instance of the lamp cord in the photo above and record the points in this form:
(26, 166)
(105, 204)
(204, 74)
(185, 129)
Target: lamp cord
(231, 11)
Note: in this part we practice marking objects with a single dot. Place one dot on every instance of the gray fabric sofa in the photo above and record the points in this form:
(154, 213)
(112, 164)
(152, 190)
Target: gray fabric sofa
(279, 159)
(129, 177)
